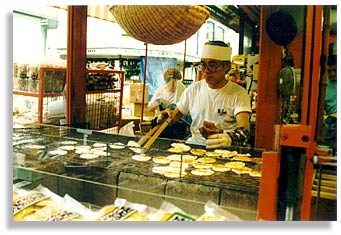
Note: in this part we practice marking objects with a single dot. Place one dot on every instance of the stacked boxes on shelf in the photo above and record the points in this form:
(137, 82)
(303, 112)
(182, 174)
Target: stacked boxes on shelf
(135, 97)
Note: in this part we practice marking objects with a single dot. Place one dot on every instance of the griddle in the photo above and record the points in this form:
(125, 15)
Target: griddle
(121, 161)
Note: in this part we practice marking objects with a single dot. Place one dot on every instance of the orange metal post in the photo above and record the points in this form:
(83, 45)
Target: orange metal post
(311, 88)
(267, 202)
(296, 135)
(308, 184)
(301, 136)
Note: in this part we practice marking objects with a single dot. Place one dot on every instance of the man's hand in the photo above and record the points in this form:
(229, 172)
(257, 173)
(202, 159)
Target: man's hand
(216, 141)
(209, 128)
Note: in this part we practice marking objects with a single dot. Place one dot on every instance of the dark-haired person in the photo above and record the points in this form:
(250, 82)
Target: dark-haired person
(220, 109)
(331, 102)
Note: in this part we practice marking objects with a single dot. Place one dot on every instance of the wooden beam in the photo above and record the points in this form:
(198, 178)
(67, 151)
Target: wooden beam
(252, 12)
(76, 66)
(268, 105)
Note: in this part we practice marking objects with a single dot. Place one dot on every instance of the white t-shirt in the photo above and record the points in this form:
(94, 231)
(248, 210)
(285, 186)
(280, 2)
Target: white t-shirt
(215, 105)
(163, 93)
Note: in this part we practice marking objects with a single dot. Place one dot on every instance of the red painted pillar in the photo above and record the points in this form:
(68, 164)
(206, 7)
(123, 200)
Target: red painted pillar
(76, 65)
(268, 104)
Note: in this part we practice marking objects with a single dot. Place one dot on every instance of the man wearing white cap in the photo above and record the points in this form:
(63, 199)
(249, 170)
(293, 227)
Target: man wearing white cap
(220, 109)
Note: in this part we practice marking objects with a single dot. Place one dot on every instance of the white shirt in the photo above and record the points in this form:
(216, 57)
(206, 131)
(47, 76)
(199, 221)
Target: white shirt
(163, 93)
(170, 97)
(215, 105)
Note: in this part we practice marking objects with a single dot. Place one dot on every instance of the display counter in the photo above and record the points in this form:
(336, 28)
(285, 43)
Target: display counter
(58, 157)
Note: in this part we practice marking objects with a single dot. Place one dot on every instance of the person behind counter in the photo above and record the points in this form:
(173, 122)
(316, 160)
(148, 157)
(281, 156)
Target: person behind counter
(220, 109)
(331, 102)
(168, 93)
(166, 97)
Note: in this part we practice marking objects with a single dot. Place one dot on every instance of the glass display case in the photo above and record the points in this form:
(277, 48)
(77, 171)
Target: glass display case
(97, 168)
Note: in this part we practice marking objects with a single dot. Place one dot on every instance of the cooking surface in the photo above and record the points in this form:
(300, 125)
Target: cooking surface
(119, 160)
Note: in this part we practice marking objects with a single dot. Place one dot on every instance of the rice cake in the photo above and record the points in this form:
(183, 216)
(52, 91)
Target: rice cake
(226, 153)
(175, 174)
(188, 158)
(242, 170)
(88, 156)
(117, 145)
(255, 173)
(67, 147)
(242, 158)
(141, 157)
(83, 150)
(132, 143)
(199, 152)
(179, 148)
(97, 145)
(220, 167)
(235, 165)
(185, 147)
(202, 165)
(202, 172)
(213, 154)
(161, 160)
(178, 164)
(57, 152)
(174, 157)
(206, 160)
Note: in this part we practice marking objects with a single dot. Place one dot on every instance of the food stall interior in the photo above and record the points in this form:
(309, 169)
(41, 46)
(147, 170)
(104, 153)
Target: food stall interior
(284, 146)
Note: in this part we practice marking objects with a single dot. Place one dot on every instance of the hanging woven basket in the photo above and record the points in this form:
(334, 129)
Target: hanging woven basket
(160, 24)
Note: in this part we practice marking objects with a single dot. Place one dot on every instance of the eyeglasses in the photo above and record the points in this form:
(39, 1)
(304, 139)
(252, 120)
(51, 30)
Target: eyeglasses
(211, 66)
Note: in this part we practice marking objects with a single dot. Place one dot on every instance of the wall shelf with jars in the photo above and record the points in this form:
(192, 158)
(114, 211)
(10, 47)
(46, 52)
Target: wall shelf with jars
(34, 88)
(39, 96)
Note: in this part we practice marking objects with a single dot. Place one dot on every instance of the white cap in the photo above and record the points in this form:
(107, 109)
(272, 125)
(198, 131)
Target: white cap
(216, 52)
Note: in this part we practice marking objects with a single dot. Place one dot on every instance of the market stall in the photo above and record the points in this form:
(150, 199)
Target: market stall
(274, 180)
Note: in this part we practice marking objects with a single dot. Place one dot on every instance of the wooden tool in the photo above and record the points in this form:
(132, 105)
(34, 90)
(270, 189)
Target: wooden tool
(154, 133)
(148, 135)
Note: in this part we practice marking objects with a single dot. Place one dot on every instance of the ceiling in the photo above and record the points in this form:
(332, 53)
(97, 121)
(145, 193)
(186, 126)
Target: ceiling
(231, 15)
(228, 15)
(252, 12)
